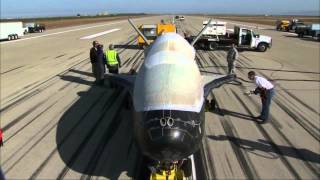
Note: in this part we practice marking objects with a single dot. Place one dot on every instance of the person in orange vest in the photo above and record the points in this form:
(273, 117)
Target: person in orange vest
(1, 140)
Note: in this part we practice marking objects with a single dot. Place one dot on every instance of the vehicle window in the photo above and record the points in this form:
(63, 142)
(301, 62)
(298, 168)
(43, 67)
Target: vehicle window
(245, 31)
(149, 32)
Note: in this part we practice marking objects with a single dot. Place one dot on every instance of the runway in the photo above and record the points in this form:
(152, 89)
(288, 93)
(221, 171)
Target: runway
(57, 125)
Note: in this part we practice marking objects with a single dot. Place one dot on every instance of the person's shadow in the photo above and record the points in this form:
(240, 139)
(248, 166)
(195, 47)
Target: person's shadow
(95, 137)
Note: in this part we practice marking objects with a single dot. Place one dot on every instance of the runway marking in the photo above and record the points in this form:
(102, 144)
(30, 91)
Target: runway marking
(99, 34)
(71, 30)
(290, 33)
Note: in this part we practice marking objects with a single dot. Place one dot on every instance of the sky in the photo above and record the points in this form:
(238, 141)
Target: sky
(31, 8)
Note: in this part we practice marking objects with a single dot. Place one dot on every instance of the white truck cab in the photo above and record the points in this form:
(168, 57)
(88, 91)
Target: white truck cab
(247, 38)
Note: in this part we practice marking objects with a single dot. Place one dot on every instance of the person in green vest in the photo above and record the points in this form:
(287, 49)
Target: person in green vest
(112, 60)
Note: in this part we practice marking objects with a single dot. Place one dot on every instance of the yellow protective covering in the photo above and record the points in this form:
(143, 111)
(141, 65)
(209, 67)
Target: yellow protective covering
(169, 79)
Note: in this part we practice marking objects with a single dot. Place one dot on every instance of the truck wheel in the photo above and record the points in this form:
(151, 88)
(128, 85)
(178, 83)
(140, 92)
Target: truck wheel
(9, 38)
(262, 47)
(16, 36)
(212, 46)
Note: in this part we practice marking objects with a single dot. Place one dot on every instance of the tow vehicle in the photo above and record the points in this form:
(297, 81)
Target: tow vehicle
(152, 31)
(312, 30)
(282, 25)
(35, 27)
(216, 36)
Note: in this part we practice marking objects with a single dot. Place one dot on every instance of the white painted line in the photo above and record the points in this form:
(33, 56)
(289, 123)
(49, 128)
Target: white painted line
(290, 33)
(71, 30)
(99, 34)
(194, 175)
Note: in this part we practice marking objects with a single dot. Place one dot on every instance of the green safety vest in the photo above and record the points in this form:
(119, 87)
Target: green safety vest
(111, 57)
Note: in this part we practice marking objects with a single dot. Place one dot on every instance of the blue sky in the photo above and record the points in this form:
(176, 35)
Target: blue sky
(16, 8)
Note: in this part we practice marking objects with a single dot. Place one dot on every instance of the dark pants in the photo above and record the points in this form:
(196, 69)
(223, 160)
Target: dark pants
(98, 72)
(113, 69)
(231, 65)
(1, 175)
(266, 102)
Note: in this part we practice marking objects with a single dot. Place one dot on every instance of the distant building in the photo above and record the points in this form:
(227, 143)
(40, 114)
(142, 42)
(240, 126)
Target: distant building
(103, 13)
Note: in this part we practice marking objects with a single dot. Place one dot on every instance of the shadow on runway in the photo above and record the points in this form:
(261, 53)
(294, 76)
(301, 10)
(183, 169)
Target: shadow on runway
(75, 79)
(223, 112)
(94, 136)
(81, 72)
(270, 147)
(265, 69)
(307, 38)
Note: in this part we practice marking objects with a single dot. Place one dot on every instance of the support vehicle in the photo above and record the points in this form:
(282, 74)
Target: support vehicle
(149, 31)
(216, 37)
(294, 23)
(35, 27)
(11, 30)
(152, 31)
(312, 30)
(181, 18)
(282, 25)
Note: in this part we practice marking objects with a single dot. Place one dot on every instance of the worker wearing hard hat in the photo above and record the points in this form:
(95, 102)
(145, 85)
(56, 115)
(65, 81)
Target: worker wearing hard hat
(112, 60)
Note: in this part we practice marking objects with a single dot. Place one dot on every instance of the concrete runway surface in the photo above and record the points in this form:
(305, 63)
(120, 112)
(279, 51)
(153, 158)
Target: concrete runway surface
(57, 125)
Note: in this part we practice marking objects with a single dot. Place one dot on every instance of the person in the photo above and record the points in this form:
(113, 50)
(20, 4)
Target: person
(232, 56)
(97, 62)
(100, 65)
(1, 138)
(266, 91)
(113, 60)
(2, 175)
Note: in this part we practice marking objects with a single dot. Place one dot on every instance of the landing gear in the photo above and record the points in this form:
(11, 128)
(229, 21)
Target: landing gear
(179, 170)
(210, 105)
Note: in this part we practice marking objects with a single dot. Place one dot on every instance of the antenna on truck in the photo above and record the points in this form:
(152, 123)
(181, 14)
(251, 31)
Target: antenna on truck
(200, 33)
(139, 32)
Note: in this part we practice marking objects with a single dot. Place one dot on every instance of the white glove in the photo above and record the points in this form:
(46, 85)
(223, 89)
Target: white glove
(249, 93)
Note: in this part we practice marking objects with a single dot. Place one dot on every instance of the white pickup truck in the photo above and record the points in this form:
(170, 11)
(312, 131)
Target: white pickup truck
(11, 30)
(216, 36)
